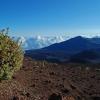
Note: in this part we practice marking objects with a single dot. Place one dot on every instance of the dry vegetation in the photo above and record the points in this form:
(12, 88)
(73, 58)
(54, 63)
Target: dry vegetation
(11, 56)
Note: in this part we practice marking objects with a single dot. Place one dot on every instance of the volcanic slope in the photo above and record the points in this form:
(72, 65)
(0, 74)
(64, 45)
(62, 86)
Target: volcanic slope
(40, 80)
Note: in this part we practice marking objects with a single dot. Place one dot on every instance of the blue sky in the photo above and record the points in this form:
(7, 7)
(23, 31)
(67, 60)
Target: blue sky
(50, 17)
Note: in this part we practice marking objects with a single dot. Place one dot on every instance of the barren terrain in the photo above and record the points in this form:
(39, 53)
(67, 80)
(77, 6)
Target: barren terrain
(39, 80)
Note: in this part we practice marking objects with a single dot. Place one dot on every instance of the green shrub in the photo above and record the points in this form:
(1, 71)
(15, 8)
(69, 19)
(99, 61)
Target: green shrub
(11, 56)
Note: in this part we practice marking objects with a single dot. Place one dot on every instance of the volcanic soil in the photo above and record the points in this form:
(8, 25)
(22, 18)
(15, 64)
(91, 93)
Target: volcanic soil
(40, 80)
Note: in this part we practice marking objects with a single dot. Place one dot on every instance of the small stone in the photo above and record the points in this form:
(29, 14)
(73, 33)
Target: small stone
(15, 98)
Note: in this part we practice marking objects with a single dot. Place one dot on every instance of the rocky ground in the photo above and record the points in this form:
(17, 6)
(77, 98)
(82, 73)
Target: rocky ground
(39, 80)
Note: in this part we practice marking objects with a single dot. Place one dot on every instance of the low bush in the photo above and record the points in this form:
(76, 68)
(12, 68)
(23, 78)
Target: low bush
(11, 56)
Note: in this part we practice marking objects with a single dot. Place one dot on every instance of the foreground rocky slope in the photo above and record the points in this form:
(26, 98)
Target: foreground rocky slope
(47, 81)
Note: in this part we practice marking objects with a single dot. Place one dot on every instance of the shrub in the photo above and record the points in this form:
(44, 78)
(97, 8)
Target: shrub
(11, 56)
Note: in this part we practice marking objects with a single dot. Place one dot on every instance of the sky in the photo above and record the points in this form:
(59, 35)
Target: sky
(50, 17)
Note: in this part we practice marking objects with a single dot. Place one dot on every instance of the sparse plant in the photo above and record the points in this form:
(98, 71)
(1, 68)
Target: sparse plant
(11, 56)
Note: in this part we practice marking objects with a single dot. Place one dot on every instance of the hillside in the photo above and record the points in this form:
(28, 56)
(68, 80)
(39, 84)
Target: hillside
(63, 51)
(37, 42)
(48, 81)
(87, 56)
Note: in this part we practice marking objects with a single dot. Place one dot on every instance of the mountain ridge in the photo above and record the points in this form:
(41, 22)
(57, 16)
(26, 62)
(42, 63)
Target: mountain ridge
(64, 50)
(37, 42)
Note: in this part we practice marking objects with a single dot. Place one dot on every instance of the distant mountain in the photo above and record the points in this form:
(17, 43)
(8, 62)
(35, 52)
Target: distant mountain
(95, 40)
(88, 56)
(38, 42)
(72, 45)
(64, 50)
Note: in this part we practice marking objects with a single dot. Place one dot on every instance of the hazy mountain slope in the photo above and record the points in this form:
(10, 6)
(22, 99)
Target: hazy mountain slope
(73, 45)
(63, 50)
(95, 40)
(88, 56)
(38, 42)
